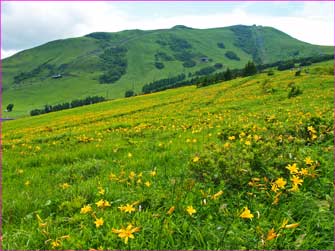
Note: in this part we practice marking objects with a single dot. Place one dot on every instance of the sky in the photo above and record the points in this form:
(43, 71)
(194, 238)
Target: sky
(26, 25)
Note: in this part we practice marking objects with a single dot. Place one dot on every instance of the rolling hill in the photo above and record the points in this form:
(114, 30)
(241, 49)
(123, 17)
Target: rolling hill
(108, 64)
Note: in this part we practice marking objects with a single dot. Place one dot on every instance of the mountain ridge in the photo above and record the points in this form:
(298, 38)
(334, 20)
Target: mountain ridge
(109, 63)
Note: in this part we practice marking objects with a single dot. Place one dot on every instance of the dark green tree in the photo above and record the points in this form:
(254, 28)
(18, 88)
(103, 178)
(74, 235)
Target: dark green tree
(129, 93)
(10, 107)
(250, 69)
(227, 75)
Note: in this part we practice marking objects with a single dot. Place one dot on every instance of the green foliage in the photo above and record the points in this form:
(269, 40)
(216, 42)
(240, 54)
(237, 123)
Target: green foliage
(221, 45)
(114, 64)
(189, 63)
(270, 73)
(250, 69)
(159, 65)
(232, 55)
(100, 35)
(227, 75)
(205, 71)
(294, 91)
(285, 66)
(10, 107)
(129, 93)
(163, 56)
(249, 40)
(162, 84)
(218, 65)
(74, 103)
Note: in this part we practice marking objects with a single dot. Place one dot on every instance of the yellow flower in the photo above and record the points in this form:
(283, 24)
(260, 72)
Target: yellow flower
(148, 184)
(256, 137)
(127, 208)
(294, 188)
(242, 134)
(292, 168)
(296, 180)
(103, 203)
(86, 209)
(294, 225)
(191, 210)
(55, 244)
(308, 161)
(246, 214)
(99, 222)
(64, 186)
(101, 191)
(274, 187)
(280, 182)
(271, 235)
(27, 183)
(171, 210)
(196, 159)
(132, 175)
(226, 145)
(311, 129)
(153, 173)
(231, 137)
(130, 155)
(303, 171)
(217, 195)
(126, 233)
(247, 142)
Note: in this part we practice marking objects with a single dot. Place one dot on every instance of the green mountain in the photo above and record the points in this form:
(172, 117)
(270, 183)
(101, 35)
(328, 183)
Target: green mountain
(108, 64)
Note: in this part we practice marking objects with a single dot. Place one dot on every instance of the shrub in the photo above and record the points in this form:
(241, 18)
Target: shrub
(250, 69)
(189, 63)
(159, 65)
(271, 73)
(232, 55)
(129, 93)
(221, 45)
(218, 65)
(10, 107)
(294, 91)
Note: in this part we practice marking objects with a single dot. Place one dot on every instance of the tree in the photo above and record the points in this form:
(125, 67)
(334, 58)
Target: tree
(129, 93)
(250, 69)
(227, 75)
(10, 107)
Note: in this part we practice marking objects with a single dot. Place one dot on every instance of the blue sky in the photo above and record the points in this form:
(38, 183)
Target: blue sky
(29, 24)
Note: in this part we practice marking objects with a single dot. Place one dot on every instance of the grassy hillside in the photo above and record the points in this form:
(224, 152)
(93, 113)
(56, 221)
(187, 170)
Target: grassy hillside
(82, 61)
(237, 165)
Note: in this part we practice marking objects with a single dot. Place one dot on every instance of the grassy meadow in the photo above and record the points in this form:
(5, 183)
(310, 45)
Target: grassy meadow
(236, 165)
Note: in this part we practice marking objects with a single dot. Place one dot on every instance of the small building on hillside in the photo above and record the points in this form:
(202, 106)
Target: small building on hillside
(204, 59)
(57, 76)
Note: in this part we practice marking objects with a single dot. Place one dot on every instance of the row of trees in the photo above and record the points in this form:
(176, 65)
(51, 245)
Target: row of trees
(162, 84)
(74, 103)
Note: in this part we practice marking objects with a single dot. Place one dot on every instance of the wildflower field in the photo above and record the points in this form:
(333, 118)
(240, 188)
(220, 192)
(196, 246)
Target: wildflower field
(244, 164)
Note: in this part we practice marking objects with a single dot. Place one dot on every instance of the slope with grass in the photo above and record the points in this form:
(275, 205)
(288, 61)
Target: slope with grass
(82, 61)
(237, 165)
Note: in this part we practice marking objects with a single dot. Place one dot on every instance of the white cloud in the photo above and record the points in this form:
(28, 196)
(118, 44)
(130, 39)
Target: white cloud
(7, 53)
(27, 24)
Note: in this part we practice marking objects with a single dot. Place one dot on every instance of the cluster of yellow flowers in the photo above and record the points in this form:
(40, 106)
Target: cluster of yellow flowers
(132, 178)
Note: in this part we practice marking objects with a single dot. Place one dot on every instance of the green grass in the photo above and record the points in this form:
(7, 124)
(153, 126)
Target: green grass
(181, 142)
(81, 54)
